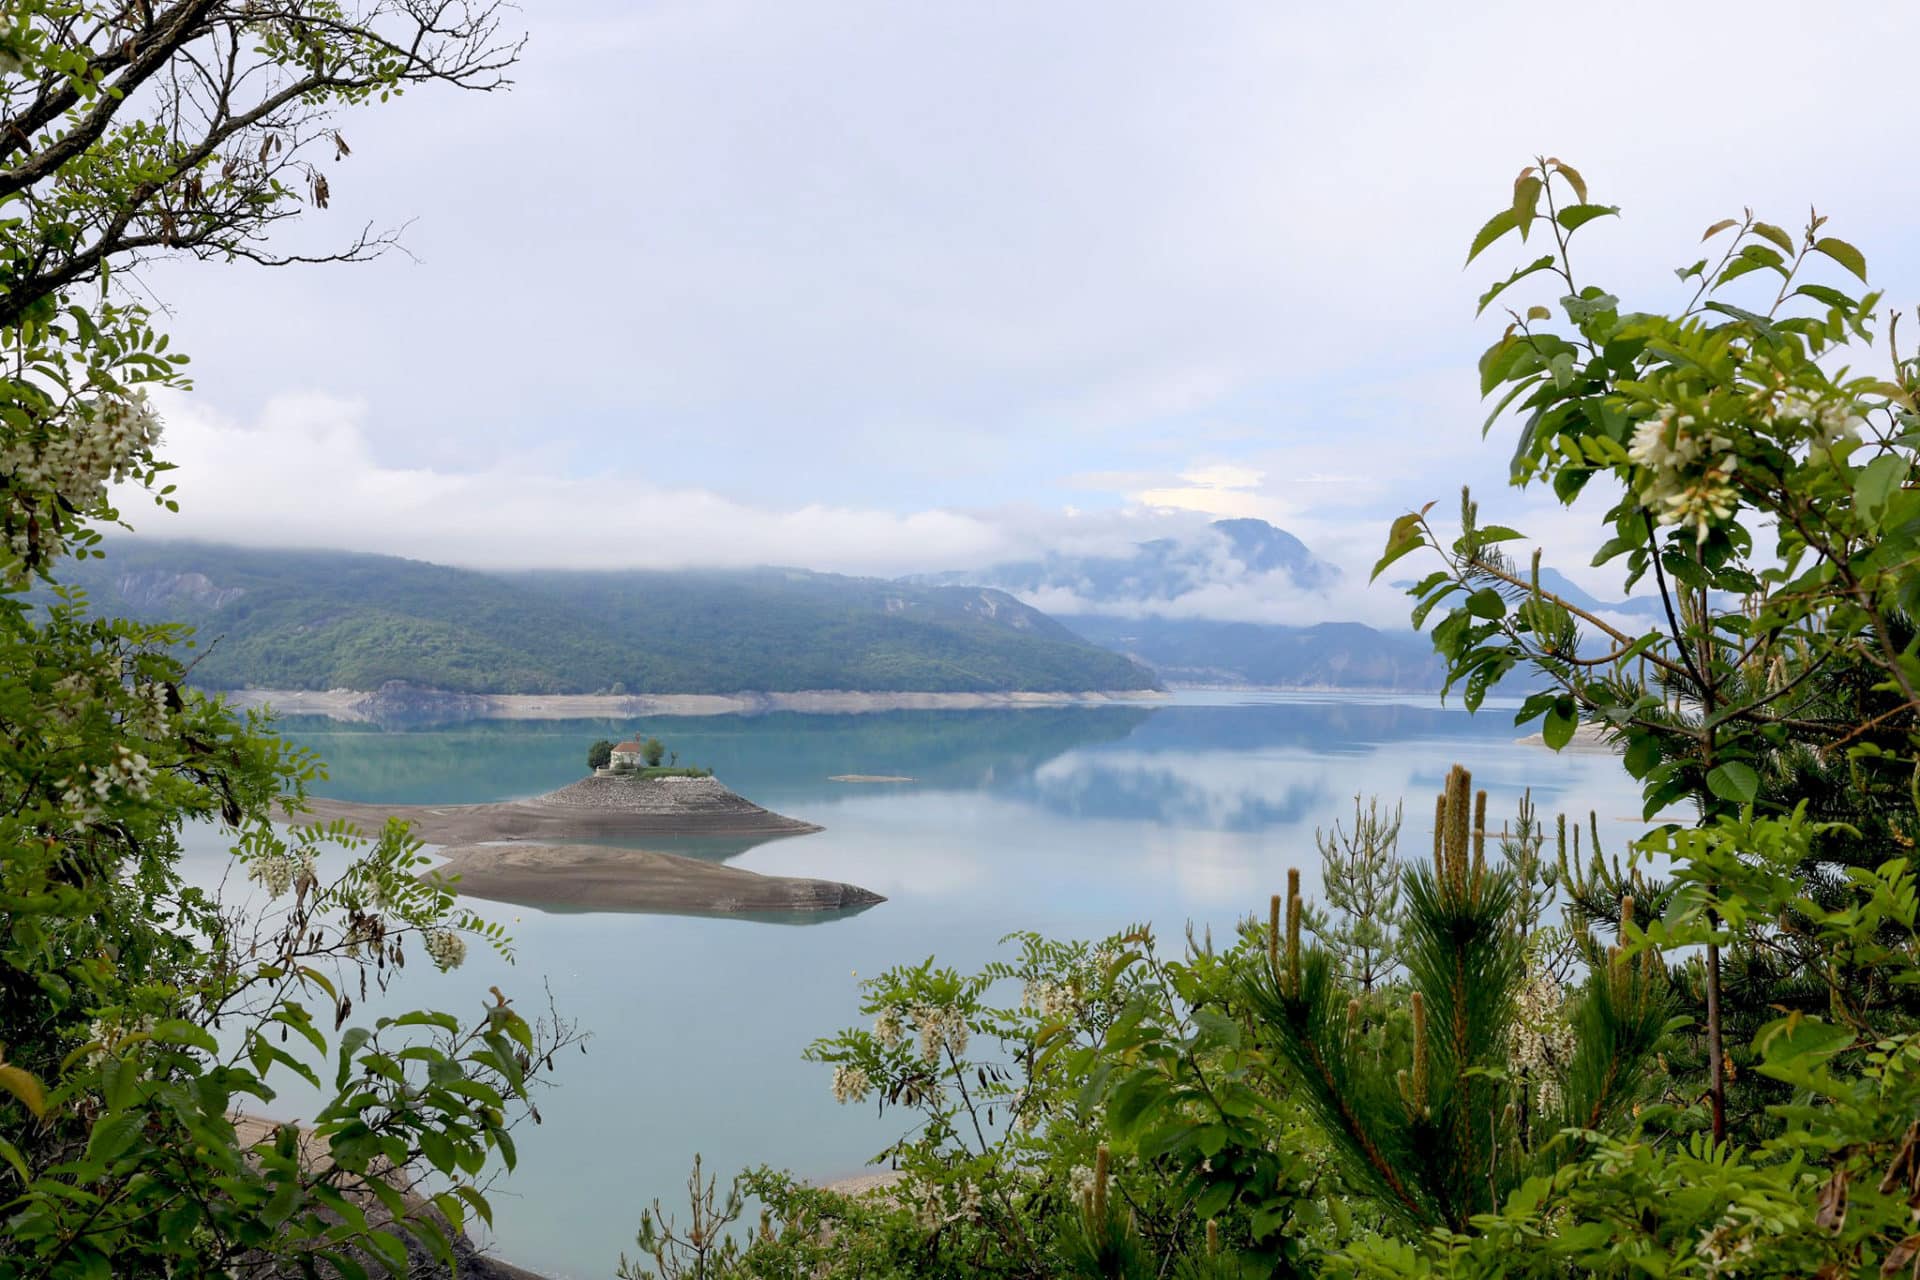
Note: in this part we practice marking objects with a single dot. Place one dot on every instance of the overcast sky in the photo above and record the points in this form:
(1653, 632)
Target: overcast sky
(888, 287)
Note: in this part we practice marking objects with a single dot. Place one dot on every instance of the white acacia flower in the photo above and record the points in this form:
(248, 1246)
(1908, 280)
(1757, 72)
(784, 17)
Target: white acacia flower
(128, 771)
(274, 871)
(941, 1029)
(1050, 999)
(446, 948)
(1686, 472)
(850, 1084)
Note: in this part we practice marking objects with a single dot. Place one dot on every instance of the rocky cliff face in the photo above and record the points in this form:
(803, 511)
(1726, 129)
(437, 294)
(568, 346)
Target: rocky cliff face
(161, 589)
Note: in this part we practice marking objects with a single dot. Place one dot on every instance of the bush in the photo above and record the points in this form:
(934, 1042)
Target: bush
(600, 754)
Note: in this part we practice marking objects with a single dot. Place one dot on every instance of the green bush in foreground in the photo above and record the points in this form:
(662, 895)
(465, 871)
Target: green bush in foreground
(142, 1017)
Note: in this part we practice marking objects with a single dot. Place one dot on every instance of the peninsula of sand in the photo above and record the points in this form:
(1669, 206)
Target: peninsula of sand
(518, 851)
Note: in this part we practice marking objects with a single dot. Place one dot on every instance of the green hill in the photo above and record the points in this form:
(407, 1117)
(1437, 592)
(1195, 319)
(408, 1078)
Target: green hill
(327, 620)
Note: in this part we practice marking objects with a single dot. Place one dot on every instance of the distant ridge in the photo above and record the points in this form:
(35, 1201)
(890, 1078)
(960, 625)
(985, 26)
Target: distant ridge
(1152, 606)
(1234, 553)
(323, 620)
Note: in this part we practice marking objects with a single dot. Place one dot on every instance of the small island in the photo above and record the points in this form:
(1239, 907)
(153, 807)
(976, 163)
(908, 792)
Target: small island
(519, 851)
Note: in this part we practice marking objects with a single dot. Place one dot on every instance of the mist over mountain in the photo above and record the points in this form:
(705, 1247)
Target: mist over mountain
(1246, 557)
(1217, 608)
(326, 620)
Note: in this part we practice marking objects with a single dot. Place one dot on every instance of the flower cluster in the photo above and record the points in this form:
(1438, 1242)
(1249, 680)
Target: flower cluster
(104, 443)
(101, 442)
(940, 1029)
(155, 715)
(1049, 999)
(279, 872)
(128, 772)
(1543, 1041)
(1689, 472)
(850, 1084)
(108, 1035)
(1728, 1246)
(1827, 422)
(446, 948)
(887, 1028)
(935, 1206)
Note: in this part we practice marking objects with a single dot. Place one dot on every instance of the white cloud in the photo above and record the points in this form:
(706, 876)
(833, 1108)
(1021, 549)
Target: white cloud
(306, 474)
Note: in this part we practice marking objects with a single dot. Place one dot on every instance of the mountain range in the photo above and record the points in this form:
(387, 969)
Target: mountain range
(333, 620)
(1152, 605)
(1238, 554)
(327, 620)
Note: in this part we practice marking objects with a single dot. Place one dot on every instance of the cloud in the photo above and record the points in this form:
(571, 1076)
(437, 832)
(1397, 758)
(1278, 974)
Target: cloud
(883, 287)
(305, 473)
(1224, 490)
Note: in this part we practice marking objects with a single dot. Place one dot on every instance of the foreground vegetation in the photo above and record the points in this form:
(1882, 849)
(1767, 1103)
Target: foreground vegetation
(1520, 1056)
(143, 1016)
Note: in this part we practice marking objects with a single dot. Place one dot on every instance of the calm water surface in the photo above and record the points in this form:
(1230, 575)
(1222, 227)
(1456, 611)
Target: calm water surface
(1072, 821)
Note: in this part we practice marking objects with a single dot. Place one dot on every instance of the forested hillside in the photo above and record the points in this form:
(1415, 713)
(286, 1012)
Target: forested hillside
(322, 620)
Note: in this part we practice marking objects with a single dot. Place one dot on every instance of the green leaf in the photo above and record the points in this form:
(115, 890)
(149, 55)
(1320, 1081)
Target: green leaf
(1876, 483)
(1821, 293)
(1643, 753)
(1734, 782)
(1757, 322)
(1487, 603)
(22, 1085)
(1844, 254)
(1526, 199)
(1404, 537)
(11, 1154)
(1520, 273)
(1718, 227)
(1576, 216)
(1498, 225)
(1559, 724)
(1776, 235)
(1513, 394)
(1574, 180)
(113, 1134)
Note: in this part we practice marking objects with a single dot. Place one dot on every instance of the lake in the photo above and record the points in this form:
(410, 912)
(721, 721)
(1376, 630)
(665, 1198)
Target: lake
(1075, 821)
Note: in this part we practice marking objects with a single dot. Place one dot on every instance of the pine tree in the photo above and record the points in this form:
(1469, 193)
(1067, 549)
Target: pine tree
(1444, 1131)
(1360, 873)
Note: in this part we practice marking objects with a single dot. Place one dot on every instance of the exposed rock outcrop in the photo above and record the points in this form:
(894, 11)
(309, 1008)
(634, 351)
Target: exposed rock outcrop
(592, 808)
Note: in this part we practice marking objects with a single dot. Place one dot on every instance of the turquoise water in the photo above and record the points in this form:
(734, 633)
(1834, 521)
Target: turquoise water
(1072, 821)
